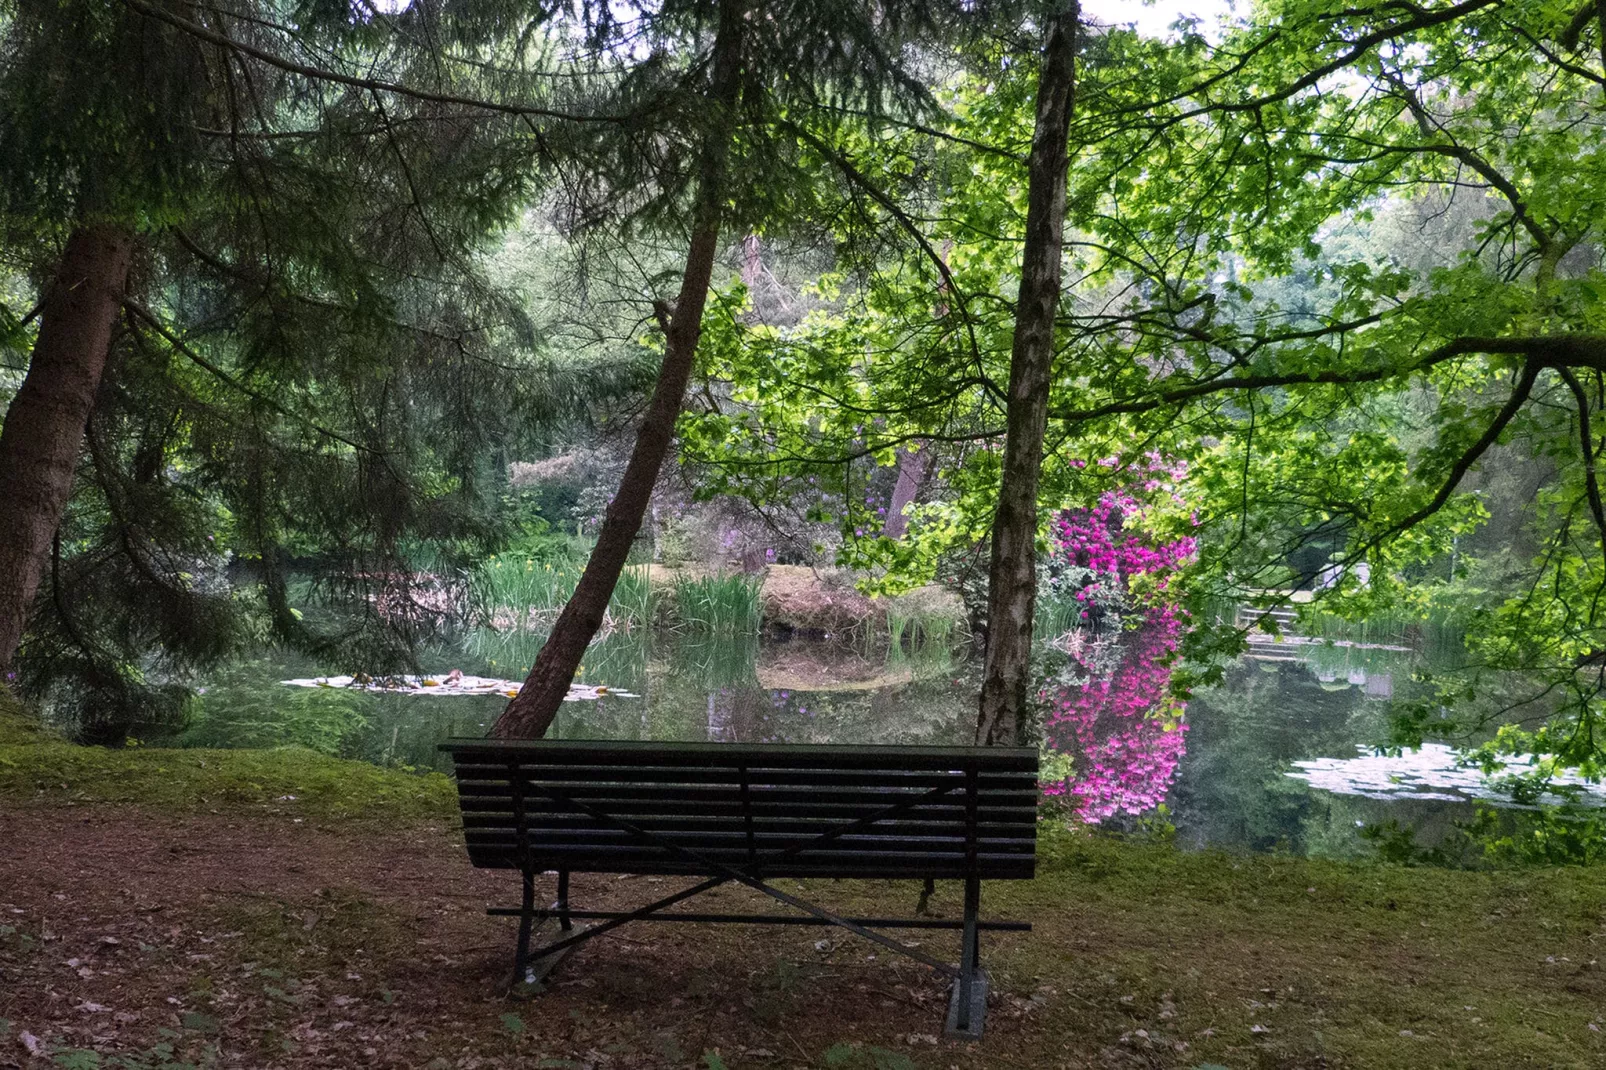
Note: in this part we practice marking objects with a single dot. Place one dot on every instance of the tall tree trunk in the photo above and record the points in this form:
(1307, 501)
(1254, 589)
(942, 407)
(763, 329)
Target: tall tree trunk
(1012, 573)
(44, 428)
(536, 704)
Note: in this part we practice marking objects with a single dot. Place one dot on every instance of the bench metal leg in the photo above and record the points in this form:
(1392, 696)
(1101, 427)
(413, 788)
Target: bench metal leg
(967, 1006)
(530, 970)
(526, 920)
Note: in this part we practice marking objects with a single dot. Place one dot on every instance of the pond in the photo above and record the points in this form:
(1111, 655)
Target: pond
(1278, 757)
(661, 684)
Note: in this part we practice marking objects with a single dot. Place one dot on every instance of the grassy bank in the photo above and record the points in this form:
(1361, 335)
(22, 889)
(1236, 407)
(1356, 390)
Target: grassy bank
(525, 593)
(1141, 956)
(38, 767)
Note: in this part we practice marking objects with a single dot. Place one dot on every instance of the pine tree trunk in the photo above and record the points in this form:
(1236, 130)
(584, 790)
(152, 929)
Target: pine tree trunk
(44, 428)
(1012, 573)
(532, 710)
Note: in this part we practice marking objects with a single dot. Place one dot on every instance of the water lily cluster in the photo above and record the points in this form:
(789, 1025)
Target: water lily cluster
(1112, 715)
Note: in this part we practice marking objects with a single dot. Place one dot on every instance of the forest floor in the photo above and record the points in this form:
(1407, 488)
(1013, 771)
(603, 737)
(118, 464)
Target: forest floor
(165, 909)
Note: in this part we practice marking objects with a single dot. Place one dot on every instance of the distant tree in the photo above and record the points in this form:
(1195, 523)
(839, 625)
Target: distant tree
(760, 76)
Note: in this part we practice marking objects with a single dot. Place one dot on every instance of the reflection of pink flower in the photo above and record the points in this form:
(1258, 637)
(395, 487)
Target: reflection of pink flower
(1124, 732)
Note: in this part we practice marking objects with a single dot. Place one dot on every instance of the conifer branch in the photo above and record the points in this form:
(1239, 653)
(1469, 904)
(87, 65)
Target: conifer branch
(323, 74)
(146, 316)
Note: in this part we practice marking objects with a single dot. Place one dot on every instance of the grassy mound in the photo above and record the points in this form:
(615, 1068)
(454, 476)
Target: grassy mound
(37, 766)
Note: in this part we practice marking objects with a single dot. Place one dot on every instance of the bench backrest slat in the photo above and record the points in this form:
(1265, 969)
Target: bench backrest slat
(937, 811)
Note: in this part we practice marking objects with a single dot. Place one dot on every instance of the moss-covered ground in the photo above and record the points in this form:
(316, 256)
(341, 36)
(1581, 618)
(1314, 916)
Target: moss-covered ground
(38, 766)
(279, 908)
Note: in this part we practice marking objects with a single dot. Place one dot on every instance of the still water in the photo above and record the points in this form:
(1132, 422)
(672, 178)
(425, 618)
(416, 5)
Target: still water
(1278, 757)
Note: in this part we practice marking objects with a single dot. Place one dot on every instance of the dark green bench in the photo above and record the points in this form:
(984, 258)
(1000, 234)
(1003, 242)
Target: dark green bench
(746, 814)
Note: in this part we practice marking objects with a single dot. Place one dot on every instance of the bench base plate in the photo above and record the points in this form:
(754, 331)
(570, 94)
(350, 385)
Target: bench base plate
(533, 972)
(978, 1009)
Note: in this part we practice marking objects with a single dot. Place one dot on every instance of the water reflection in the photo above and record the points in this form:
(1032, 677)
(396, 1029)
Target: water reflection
(1263, 762)
(676, 687)
(1245, 734)
(1112, 717)
(1280, 753)
(1435, 772)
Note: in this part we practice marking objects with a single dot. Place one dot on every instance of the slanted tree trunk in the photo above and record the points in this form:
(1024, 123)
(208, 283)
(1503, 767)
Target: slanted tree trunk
(536, 704)
(914, 462)
(1012, 573)
(912, 466)
(44, 428)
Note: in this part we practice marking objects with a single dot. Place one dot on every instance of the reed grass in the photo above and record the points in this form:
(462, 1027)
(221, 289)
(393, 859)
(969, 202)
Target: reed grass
(920, 630)
(632, 602)
(923, 646)
(725, 604)
(525, 592)
(1054, 616)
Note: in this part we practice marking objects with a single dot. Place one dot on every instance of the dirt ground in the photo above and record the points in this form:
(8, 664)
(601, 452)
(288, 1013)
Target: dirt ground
(147, 940)
(167, 941)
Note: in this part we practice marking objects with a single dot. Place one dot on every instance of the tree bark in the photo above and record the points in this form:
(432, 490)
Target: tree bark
(1012, 572)
(531, 711)
(44, 428)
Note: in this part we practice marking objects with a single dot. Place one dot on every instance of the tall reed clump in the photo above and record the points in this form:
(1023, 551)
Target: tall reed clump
(922, 644)
(632, 602)
(726, 604)
(1435, 629)
(517, 592)
(1377, 628)
(920, 630)
(511, 589)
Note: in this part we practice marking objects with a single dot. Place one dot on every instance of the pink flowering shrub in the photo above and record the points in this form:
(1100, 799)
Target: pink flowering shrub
(1111, 714)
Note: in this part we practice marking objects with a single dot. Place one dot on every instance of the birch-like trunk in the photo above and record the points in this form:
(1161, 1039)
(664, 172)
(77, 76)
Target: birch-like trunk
(1012, 573)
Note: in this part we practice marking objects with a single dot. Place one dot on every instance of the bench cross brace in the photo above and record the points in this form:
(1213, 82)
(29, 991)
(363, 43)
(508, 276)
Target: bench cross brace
(964, 1017)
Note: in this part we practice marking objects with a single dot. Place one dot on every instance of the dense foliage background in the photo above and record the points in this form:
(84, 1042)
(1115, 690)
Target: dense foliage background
(399, 281)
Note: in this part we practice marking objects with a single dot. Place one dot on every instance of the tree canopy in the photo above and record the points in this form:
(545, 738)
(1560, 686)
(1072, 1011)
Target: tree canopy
(1329, 276)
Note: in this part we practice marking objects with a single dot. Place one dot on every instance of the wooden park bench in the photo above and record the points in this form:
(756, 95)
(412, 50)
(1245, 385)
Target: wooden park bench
(747, 814)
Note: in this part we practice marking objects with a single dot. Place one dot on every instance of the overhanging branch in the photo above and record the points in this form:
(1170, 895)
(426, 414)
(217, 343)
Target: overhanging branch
(1542, 351)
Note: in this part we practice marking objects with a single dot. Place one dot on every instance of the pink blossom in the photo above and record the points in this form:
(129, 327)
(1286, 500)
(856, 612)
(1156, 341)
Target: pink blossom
(1123, 730)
